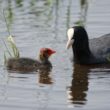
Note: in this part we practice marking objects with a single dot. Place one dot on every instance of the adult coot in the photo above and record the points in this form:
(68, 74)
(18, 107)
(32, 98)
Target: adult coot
(30, 65)
(85, 51)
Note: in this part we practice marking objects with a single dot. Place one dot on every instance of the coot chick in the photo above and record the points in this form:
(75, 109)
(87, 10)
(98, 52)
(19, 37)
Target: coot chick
(31, 65)
(85, 51)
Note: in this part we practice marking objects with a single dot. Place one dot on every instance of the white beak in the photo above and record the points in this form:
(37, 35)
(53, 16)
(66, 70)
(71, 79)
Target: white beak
(70, 42)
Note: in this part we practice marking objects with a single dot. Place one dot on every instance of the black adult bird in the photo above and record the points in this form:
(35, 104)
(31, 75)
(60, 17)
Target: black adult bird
(31, 65)
(85, 51)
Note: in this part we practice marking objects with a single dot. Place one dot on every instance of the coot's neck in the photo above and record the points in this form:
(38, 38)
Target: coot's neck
(81, 55)
(81, 50)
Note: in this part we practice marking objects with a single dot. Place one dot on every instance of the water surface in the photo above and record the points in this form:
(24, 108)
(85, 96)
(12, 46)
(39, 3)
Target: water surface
(43, 23)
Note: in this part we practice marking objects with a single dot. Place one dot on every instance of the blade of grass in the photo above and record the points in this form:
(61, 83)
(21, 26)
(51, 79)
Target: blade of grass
(13, 46)
(6, 22)
(7, 48)
(11, 41)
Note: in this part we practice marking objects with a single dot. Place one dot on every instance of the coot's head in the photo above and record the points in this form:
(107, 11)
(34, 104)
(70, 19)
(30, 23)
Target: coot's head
(45, 53)
(77, 36)
(78, 40)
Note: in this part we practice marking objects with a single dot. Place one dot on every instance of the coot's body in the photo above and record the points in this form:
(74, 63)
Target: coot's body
(100, 47)
(85, 51)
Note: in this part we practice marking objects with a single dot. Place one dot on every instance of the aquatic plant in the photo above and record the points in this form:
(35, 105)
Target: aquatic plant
(11, 48)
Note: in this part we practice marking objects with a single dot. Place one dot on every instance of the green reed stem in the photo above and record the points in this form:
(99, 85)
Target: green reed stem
(6, 22)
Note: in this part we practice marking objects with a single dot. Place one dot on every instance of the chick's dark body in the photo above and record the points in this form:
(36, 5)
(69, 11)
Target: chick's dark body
(31, 65)
(22, 64)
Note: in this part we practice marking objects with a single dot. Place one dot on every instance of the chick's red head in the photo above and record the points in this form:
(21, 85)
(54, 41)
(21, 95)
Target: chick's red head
(47, 51)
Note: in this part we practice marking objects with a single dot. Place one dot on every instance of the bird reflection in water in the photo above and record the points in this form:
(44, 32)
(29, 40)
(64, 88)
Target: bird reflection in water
(77, 92)
(45, 86)
(45, 77)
